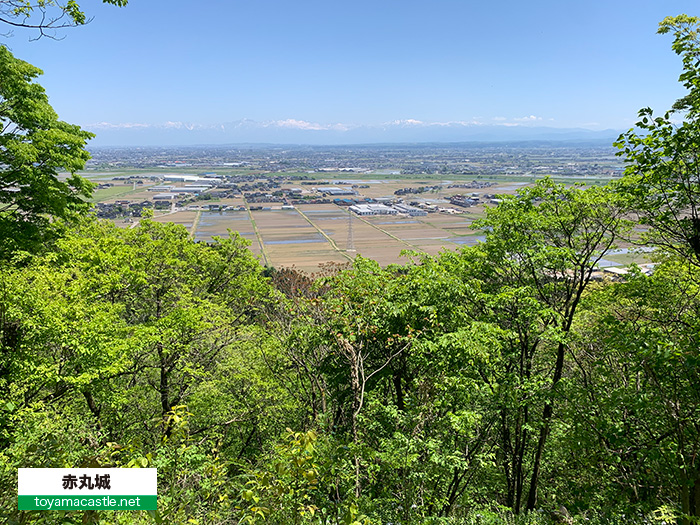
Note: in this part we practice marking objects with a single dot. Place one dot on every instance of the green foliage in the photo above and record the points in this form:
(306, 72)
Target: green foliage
(34, 147)
(685, 44)
(110, 336)
(498, 384)
(655, 325)
(638, 376)
(662, 178)
(45, 16)
(527, 281)
(298, 485)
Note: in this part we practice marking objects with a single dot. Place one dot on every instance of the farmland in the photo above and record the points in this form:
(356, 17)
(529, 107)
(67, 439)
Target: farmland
(307, 235)
(283, 202)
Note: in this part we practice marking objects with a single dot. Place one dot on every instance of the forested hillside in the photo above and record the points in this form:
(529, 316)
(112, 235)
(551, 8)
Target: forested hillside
(496, 384)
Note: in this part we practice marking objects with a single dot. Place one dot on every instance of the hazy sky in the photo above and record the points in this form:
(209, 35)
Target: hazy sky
(555, 63)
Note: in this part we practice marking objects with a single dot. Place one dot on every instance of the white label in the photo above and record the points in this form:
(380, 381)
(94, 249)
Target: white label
(88, 481)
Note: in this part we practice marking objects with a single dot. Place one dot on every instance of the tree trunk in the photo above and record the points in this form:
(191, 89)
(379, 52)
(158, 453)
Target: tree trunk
(508, 454)
(353, 356)
(544, 430)
(164, 390)
(355, 384)
(399, 392)
(685, 498)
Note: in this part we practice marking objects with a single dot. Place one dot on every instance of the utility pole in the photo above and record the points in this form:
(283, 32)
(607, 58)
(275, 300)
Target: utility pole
(351, 244)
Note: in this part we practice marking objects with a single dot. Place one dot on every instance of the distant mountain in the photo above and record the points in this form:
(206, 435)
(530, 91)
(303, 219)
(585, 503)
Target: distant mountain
(302, 132)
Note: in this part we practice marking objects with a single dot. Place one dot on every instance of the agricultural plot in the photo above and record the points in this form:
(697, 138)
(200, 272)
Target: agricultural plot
(305, 257)
(290, 240)
(185, 218)
(122, 191)
(217, 224)
(313, 234)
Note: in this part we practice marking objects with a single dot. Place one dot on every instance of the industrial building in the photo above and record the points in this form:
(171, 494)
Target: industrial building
(373, 209)
(203, 181)
(190, 189)
(337, 191)
(410, 210)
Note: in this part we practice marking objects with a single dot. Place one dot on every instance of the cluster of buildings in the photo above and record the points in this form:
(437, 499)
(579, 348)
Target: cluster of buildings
(473, 199)
(188, 192)
(383, 209)
(420, 189)
(194, 185)
(465, 201)
(122, 207)
(336, 191)
(475, 184)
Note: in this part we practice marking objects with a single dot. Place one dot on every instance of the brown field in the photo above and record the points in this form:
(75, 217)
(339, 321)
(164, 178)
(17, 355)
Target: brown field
(186, 218)
(313, 234)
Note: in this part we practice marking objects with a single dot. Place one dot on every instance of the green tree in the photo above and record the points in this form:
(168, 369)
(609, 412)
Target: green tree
(424, 420)
(402, 384)
(541, 249)
(112, 334)
(186, 302)
(34, 148)
(662, 178)
(662, 184)
(301, 481)
(45, 16)
(635, 398)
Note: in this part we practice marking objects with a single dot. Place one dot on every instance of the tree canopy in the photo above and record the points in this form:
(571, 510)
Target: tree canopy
(35, 147)
(662, 178)
(474, 386)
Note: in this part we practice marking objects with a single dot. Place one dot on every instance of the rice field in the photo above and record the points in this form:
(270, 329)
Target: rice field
(311, 235)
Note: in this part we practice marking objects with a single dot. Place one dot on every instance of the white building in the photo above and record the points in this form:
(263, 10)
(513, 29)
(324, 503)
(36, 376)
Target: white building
(373, 209)
(410, 210)
(190, 189)
(382, 209)
(361, 209)
(201, 181)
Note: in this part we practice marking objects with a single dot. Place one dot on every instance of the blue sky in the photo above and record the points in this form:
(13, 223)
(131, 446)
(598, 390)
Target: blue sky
(337, 64)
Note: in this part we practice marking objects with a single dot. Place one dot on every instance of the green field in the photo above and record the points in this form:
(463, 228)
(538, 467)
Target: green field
(115, 192)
